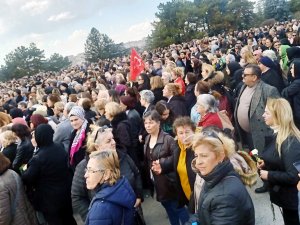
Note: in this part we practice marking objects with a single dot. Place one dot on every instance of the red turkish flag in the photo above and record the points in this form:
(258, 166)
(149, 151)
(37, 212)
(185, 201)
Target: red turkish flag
(136, 65)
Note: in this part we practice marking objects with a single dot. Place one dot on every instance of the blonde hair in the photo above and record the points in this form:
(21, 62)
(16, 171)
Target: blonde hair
(59, 106)
(218, 142)
(282, 114)
(108, 160)
(174, 88)
(249, 58)
(100, 104)
(156, 82)
(95, 137)
(207, 68)
(113, 109)
(7, 138)
(178, 72)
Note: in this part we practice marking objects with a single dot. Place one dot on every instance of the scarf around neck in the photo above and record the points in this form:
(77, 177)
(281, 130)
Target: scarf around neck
(77, 142)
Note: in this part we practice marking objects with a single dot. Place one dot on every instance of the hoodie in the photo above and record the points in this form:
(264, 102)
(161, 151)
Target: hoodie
(112, 205)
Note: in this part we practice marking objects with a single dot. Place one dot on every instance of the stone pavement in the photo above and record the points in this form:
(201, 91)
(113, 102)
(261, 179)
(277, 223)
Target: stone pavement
(155, 214)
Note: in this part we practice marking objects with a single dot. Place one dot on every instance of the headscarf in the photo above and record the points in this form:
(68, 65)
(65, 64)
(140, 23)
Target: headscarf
(284, 58)
(80, 136)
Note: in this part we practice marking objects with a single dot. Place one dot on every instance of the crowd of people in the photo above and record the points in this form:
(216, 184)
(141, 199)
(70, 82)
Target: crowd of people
(83, 145)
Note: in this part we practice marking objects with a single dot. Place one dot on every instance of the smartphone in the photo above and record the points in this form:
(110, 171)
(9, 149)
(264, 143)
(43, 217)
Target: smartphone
(297, 166)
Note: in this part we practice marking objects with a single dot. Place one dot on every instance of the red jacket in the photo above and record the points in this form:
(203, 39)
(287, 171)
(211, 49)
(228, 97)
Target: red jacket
(210, 119)
(180, 81)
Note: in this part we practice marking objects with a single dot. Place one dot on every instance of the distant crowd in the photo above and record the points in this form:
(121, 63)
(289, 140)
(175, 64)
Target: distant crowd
(88, 144)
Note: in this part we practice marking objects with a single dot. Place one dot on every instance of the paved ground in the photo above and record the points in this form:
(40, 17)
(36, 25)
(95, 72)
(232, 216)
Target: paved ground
(155, 214)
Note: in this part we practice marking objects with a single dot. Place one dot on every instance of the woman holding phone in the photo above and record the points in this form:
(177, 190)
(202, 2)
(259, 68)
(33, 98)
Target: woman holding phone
(281, 152)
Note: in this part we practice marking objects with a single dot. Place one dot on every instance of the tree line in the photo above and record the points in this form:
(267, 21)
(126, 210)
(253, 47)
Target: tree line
(177, 21)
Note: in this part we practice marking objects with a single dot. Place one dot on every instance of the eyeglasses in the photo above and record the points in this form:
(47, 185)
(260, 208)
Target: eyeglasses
(212, 134)
(101, 130)
(89, 170)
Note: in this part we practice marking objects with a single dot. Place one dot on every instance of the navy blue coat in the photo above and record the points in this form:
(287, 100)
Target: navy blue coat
(109, 204)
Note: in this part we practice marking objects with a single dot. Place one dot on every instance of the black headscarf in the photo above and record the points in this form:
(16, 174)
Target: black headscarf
(296, 63)
(44, 135)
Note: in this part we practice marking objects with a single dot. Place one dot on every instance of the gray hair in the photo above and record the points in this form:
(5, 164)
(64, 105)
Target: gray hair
(209, 102)
(270, 54)
(231, 57)
(147, 95)
(69, 106)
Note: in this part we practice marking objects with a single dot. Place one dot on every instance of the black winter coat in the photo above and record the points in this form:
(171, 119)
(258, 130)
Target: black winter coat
(121, 130)
(10, 151)
(158, 95)
(177, 106)
(191, 175)
(224, 199)
(272, 78)
(282, 175)
(190, 98)
(23, 155)
(164, 183)
(292, 94)
(48, 177)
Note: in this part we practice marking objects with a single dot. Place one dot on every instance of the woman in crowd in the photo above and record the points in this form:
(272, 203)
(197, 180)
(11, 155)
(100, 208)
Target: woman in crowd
(48, 179)
(176, 101)
(95, 93)
(8, 142)
(101, 139)
(157, 87)
(24, 148)
(143, 82)
(177, 77)
(15, 208)
(120, 126)
(224, 199)
(51, 100)
(159, 153)
(100, 110)
(78, 136)
(292, 92)
(166, 115)
(114, 96)
(36, 120)
(197, 67)
(282, 150)
(207, 107)
(114, 200)
(190, 97)
(201, 87)
(184, 128)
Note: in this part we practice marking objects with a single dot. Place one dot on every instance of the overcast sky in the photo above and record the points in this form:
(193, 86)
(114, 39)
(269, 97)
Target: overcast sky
(63, 25)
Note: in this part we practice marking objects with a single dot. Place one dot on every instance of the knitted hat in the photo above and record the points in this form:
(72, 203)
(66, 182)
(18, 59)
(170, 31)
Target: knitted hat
(266, 61)
(77, 111)
(128, 101)
(19, 120)
(38, 119)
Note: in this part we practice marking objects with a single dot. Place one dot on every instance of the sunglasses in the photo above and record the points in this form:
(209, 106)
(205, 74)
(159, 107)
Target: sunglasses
(100, 130)
(212, 134)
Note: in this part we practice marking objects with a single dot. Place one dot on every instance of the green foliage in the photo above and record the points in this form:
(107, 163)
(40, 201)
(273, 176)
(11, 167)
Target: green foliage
(277, 9)
(181, 21)
(100, 46)
(26, 61)
(22, 62)
(56, 62)
(295, 8)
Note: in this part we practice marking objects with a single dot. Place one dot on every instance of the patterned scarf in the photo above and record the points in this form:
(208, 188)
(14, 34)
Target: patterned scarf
(77, 142)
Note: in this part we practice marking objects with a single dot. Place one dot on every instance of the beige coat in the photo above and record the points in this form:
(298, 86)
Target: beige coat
(15, 208)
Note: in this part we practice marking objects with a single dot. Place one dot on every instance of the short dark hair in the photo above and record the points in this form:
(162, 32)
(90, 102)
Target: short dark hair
(191, 77)
(21, 130)
(183, 121)
(153, 115)
(255, 69)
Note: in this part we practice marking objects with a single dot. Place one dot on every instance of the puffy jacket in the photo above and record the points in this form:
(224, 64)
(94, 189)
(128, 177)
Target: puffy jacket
(15, 208)
(112, 205)
(224, 200)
